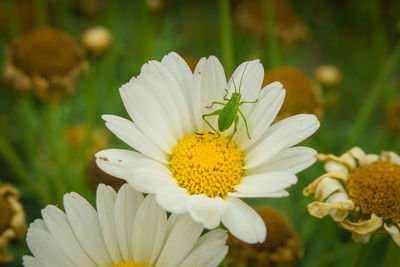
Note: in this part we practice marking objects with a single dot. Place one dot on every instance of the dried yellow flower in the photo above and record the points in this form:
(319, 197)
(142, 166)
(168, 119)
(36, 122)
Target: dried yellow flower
(12, 219)
(359, 191)
(45, 61)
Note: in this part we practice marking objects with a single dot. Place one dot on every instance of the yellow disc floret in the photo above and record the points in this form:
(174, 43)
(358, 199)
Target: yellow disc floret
(204, 163)
(129, 264)
(376, 189)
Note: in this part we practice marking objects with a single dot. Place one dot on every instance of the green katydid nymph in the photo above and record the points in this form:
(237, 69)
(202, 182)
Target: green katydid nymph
(229, 114)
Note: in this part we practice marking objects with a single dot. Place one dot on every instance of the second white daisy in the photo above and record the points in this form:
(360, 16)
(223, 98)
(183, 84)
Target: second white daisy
(127, 230)
(192, 170)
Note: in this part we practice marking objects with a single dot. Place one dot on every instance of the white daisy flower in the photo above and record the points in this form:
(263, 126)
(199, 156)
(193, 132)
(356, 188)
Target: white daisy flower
(127, 230)
(192, 170)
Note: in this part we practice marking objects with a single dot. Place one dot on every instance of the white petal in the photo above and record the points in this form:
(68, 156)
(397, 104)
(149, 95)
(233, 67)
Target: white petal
(172, 219)
(116, 161)
(182, 73)
(85, 224)
(261, 117)
(180, 241)
(332, 166)
(307, 124)
(126, 206)
(265, 183)
(389, 156)
(39, 224)
(206, 210)
(243, 222)
(152, 79)
(248, 78)
(149, 231)
(173, 199)
(105, 201)
(171, 95)
(211, 236)
(196, 93)
(147, 180)
(45, 249)
(270, 146)
(29, 261)
(209, 254)
(394, 232)
(61, 230)
(327, 187)
(272, 194)
(148, 116)
(128, 132)
(292, 160)
(209, 85)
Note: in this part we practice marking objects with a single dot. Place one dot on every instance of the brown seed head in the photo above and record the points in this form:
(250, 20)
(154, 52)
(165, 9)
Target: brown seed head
(46, 52)
(6, 214)
(96, 176)
(280, 247)
(300, 96)
(249, 16)
(376, 189)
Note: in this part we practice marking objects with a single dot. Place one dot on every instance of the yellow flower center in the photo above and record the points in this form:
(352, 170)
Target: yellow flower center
(204, 163)
(376, 189)
(129, 264)
(6, 214)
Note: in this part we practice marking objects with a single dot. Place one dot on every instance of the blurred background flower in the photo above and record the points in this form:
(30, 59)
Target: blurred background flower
(300, 98)
(45, 61)
(96, 40)
(12, 219)
(281, 248)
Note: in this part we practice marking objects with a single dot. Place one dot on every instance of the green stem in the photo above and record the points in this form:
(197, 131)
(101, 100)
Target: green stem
(272, 41)
(41, 12)
(373, 95)
(145, 32)
(361, 254)
(17, 165)
(91, 112)
(12, 18)
(392, 254)
(226, 35)
(378, 30)
(396, 146)
(58, 179)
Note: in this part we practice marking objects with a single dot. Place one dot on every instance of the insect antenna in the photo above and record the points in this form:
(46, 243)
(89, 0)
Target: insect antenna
(234, 85)
(241, 79)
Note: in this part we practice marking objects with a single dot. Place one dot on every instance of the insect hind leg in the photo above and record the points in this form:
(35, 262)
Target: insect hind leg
(245, 123)
(234, 129)
(214, 113)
